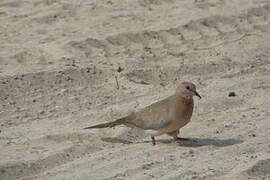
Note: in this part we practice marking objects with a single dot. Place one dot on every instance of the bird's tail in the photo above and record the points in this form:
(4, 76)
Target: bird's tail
(109, 124)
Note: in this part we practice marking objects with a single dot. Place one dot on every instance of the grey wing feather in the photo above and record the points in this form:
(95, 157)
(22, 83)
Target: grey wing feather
(155, 116)
(157, 125)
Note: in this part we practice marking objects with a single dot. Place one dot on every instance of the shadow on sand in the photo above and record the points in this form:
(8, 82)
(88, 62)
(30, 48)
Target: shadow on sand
(194, 142)
(117, 140)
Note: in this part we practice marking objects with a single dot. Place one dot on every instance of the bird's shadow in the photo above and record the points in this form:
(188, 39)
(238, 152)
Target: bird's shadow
(193, 142)
(197, 142)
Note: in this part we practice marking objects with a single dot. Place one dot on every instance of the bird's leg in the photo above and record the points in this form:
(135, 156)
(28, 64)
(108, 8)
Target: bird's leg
(174, 134)
(153, 140)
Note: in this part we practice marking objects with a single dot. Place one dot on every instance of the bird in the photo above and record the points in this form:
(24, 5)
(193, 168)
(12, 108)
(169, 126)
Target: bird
(163, 117)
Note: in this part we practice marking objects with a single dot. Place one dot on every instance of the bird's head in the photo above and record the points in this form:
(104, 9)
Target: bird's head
(187, 90)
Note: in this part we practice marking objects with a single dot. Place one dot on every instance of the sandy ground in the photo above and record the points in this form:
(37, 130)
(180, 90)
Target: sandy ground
(58, 63)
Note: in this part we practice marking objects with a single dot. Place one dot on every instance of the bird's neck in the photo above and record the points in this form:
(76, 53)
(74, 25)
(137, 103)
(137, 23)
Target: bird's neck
(187, 100)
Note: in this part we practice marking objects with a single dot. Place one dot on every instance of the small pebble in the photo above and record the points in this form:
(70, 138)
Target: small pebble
(120, 69)
(232, 94)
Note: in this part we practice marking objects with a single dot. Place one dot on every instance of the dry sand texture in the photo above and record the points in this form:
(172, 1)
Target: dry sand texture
(58, 62)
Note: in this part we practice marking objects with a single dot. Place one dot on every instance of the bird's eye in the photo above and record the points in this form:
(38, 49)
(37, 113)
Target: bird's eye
(188, 87)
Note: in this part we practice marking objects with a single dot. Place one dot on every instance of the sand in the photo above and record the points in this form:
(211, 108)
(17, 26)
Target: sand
(59, 61)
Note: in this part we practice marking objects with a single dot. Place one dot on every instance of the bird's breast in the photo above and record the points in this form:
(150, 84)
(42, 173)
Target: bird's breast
(183, 111)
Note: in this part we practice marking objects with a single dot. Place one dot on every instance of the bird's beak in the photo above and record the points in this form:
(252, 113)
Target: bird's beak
(197, 94)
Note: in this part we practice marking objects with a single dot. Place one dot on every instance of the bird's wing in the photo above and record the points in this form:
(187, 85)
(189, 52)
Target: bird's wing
(155, 125)
(154, 116)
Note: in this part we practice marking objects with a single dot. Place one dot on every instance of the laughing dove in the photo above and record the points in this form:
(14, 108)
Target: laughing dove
(164, 117)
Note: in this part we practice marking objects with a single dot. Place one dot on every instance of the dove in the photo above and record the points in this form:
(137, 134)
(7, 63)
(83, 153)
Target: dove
(163, 117)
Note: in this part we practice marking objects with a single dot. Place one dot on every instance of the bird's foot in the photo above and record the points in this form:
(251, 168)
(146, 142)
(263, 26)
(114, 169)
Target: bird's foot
(153, 140)
(180, 140)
